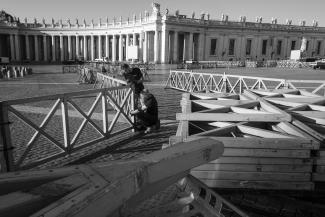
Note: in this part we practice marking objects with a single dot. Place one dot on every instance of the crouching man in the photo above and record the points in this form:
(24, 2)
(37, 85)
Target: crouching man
(147, 113)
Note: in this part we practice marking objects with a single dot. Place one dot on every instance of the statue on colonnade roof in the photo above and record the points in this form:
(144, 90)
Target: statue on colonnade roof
(5, 17)
(156, 8)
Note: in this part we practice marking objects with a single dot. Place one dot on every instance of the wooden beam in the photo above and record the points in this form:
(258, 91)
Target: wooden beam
(262, 133)
(244, 152)
(247, 184)
(254, 168)
(263, 143)
(118, 183)
(252, 176)
(232, 117)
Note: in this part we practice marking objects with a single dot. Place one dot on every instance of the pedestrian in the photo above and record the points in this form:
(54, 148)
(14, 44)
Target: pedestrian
(147, 113)
(134, 77)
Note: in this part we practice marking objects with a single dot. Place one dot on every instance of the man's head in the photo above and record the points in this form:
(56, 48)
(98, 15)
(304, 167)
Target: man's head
(125, 66)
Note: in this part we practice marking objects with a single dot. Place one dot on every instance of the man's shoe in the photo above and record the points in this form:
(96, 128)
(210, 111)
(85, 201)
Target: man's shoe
(148, 130)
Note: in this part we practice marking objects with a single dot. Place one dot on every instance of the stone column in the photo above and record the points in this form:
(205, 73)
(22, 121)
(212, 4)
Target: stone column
(27, 47)
(256, 48)
(61, 48)
(184, 48)
(114, 48)
(53, 48)
(285, 48)
(201, 47)
(107, 46)
(99, 46)
(141, 46)
(120, 48)
(12, 48)
(77, 46)
(69, 48)
(156, 47)
(134, 39)
(92, 50)
(85, 47)
(175, 54)
(221, 47)
(243, 48)
(190, 46)
(127, 43)
(164, 45)
(145, 47)
(17, 48)
(36, 48)
(45, 47)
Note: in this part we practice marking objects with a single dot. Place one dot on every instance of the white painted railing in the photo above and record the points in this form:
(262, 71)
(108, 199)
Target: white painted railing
(106, 81)
(197, 82)
(28, 140)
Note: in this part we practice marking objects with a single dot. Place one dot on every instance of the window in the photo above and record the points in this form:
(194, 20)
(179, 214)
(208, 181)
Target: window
(307, 45)
(264, 43)
(278, 47)
(231, 47)
(213, 47)
(293, 45)
(248, 46)
(319, 45)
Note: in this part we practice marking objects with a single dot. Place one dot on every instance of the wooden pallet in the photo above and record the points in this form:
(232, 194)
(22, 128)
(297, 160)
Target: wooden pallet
(272, 139)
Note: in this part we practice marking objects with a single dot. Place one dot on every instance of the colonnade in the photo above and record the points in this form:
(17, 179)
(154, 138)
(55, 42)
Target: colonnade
(161, 45)
(56, 48)
(153, 46)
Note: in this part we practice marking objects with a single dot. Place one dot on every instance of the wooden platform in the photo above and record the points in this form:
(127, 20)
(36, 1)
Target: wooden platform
(272, 139)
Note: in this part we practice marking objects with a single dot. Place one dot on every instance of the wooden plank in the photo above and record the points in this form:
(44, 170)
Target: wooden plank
(251, 176)
(223, 103)
(266, 105)
(290, 129)
(130, 185)
(320, 169)
(276, 185)
(317, 107)
(247, 111)
(314, 133)
(301, 100)
(20, 202)
(255, 168)
(219, 131)
(317, 116)
(320, 161)
(232, 117)
(262, 133)
(195, 96)
(263, 160)
(313, 120)
(263, 143)
(319, 177)
(241, 152)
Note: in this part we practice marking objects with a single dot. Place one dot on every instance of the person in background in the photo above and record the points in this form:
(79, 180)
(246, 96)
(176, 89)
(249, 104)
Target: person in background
(134, 77)
(147, 113)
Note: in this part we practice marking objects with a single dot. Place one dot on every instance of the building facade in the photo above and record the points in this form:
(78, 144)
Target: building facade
(156, 37)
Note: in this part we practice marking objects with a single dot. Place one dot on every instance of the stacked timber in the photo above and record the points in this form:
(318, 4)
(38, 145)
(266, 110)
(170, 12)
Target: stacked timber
(308, 112)
(266, 146)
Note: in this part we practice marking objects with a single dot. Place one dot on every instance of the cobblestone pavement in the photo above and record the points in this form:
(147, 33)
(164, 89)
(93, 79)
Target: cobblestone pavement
(124, 146)
(130, 145)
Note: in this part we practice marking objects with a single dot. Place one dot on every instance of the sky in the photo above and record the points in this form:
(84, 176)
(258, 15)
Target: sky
(296, 10)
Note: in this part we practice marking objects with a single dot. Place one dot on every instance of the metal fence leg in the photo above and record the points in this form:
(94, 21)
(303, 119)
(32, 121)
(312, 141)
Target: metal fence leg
(6, 148)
